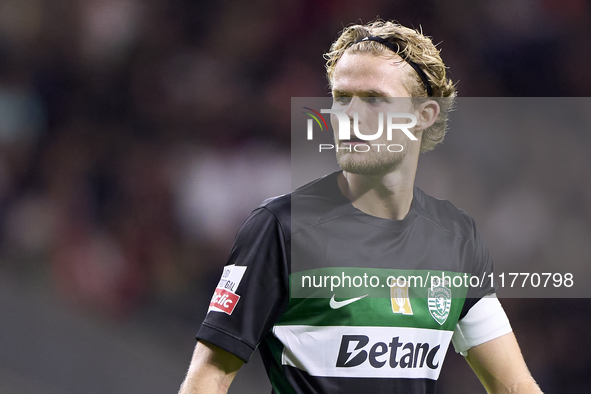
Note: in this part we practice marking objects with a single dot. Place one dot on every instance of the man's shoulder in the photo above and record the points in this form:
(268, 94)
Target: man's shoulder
(444, 214)
(306, 203)
(279, 206)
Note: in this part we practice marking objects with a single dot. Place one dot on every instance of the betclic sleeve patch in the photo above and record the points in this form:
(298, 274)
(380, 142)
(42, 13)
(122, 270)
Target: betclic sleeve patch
(225, 298)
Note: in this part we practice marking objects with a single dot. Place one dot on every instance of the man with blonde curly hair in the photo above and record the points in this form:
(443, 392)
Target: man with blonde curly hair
(425, 78)
(366, 221)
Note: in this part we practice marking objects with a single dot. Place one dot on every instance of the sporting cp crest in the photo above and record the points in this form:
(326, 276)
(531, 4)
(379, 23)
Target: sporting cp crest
(439, 303)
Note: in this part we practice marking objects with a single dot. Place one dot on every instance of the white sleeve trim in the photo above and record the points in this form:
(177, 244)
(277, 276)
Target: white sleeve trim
(486, 320)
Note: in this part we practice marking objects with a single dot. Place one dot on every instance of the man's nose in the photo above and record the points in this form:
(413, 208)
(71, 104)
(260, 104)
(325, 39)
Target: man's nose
(353, 107)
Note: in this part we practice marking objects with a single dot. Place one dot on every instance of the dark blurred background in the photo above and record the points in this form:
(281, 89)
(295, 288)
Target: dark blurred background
(136, 136)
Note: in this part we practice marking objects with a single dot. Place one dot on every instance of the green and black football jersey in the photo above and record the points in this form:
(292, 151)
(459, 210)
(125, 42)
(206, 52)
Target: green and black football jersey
(339, 301)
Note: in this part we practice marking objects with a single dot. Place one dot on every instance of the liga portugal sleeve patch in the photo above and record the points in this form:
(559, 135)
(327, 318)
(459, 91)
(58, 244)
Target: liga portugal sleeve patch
(225, 298)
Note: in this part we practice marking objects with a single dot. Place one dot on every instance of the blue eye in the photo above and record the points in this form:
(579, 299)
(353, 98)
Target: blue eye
(372, 100)
(342, 99)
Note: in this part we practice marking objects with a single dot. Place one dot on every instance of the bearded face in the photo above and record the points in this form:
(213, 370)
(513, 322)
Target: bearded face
(366, 87)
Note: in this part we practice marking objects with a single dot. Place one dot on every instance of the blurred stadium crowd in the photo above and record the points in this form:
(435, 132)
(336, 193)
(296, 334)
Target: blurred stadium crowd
(136, 136)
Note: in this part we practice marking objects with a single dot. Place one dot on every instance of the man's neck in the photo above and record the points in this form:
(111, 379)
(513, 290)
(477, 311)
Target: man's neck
(386, 196)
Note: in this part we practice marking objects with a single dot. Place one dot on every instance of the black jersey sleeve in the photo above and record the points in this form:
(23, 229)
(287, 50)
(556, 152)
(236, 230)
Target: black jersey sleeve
(482, 266)
(253, 290)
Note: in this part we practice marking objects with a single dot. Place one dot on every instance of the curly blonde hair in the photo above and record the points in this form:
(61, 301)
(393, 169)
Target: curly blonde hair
(413, 46)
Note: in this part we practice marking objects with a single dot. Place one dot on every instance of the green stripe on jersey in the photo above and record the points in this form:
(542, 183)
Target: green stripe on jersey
(348, 296)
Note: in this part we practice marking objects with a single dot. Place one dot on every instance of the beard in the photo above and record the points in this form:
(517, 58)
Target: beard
(370, 163)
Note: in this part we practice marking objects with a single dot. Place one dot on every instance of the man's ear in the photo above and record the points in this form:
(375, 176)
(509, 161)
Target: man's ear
(427, 114)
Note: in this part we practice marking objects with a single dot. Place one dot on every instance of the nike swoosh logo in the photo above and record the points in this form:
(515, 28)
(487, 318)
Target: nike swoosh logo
(339, 304)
